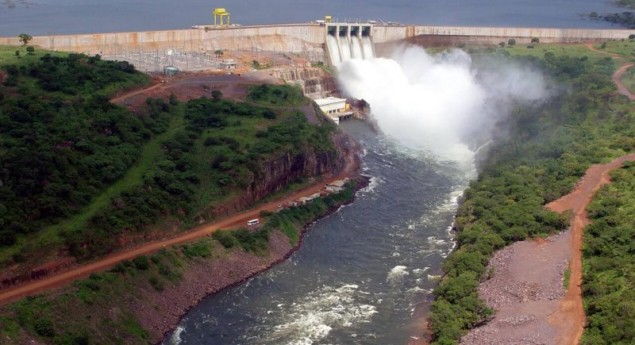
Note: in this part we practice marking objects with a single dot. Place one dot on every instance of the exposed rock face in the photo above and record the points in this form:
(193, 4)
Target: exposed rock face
(279, 172)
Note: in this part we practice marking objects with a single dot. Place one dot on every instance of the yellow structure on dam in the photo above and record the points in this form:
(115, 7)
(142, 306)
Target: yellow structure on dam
(220, 14)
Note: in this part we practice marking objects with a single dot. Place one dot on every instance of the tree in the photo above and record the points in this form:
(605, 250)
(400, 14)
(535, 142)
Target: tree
(17, 53)
(25, 38)
(511, 42)
(502, 44)
(216, 95)
(535, 40)
(218, 53)
(30, 50)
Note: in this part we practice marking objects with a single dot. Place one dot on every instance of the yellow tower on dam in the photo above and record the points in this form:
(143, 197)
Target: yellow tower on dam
(221, 17)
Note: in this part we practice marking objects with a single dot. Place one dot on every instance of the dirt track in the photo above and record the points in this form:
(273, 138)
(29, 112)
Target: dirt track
(231, 222)
(617, 76)
(526, 286)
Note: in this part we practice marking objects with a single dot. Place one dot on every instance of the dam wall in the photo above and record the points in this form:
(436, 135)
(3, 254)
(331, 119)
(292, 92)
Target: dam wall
(433, 35)
(308, 39)
(292, 38)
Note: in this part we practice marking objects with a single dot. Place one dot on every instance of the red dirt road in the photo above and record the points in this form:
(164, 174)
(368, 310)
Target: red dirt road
(617, 76)
(569, 319)
(232, 222)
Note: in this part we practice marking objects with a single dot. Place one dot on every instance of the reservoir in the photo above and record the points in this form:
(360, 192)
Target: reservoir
(50, 17)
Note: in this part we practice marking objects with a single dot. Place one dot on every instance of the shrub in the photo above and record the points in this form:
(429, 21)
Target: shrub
(225, 238)
(44, 327)
(141, 263)
(156, 283)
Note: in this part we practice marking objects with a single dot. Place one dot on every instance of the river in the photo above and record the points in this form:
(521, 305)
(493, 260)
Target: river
(360, 272)
(48, 17)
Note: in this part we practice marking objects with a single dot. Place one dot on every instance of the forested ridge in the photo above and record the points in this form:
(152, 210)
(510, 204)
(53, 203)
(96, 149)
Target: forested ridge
(549, 147)
(79, 173)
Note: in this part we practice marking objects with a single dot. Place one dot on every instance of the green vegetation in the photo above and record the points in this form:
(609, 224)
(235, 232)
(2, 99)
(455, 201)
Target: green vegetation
(628, 78)
(25, 38)
(289, 221)
(61, 140)
(96, 310)
(608, 283)
(276, 95)
(103, 309)
(547, 150)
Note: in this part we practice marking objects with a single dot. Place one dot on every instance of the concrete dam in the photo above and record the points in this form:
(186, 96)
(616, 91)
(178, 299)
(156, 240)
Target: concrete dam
(317, 42)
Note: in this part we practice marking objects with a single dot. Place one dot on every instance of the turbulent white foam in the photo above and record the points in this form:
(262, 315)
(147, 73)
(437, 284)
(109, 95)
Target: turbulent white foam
(397, 274)
(437, 103)
(434, 241)
(418, 272)
(433, 277)
(372, 184)
(175, 339)
(313, 317)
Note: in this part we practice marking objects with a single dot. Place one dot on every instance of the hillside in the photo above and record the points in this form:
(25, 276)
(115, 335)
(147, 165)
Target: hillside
(82, 177)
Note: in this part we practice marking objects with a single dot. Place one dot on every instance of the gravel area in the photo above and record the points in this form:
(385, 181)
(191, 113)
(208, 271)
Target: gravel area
(525, 286)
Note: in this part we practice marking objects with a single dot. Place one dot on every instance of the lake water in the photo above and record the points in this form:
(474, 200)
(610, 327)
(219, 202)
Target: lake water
(42, 17)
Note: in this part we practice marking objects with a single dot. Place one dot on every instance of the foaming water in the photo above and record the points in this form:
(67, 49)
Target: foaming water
(360, 273)
(175, 339)
(443, 104)
(311, 318)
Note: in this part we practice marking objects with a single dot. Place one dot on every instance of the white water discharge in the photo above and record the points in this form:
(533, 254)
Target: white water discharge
(437, 102)
(334, 50)
(367, 48)
(345, 48)
(356, 48)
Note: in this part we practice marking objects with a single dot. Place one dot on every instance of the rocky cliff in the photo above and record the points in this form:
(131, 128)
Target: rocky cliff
(288, 167)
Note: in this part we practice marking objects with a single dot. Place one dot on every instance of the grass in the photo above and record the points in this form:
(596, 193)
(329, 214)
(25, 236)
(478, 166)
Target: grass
(566, 278)
(626, 48)
(573, 50)
(7, 55)
(50, 236)
(628, 78)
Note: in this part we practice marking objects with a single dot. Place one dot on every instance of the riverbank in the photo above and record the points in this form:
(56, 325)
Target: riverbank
(535, 285)
(139, 301)
(231, 270)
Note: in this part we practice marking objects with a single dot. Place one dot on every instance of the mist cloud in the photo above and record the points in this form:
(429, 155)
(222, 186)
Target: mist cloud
(444, 104)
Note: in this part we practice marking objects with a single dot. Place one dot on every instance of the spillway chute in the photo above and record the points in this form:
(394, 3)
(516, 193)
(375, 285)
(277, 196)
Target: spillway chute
(349, 41)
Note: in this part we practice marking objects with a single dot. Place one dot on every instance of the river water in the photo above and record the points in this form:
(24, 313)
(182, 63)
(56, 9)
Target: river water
(360, 272)
(46, 17)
